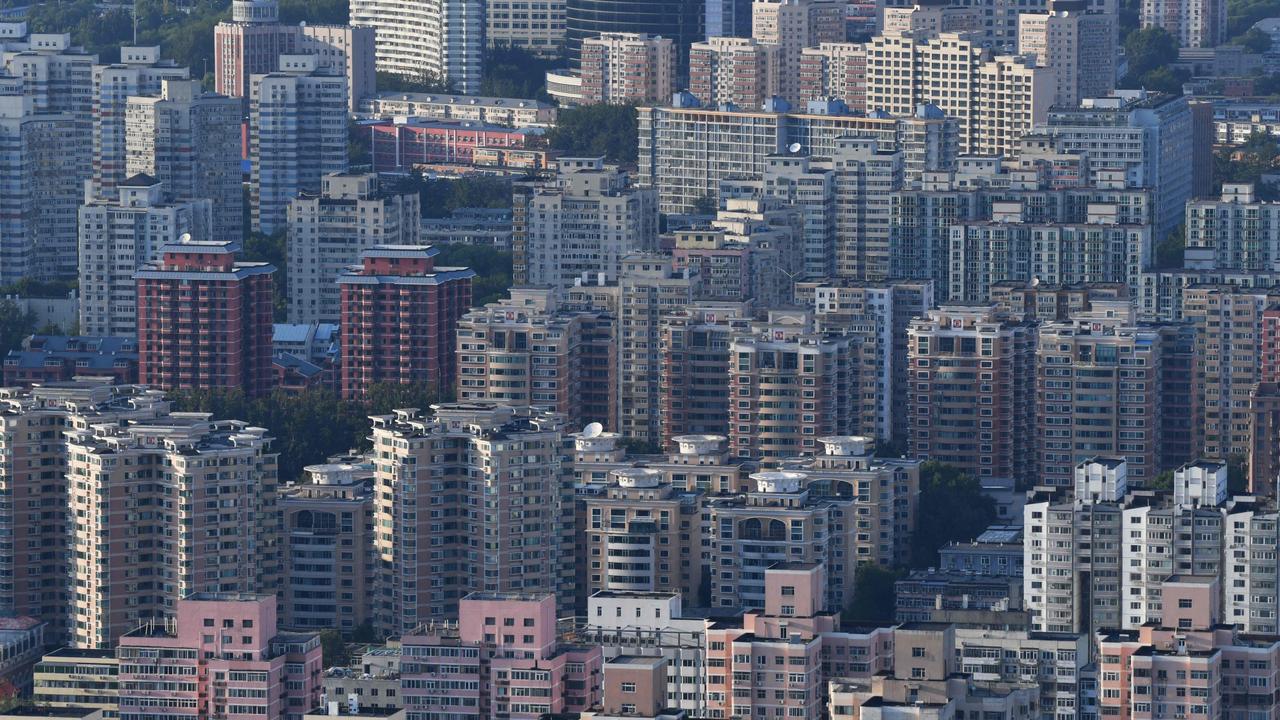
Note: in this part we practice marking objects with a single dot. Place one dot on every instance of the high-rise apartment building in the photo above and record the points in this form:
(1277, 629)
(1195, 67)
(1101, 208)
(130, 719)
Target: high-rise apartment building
(1264, 439)
(57, 76)
(585, 223)
(233, 658)
(297, 135)
(973, 375)
(190, 141)
(1235, 232)
(1228, 322)
(530, 350)
(627, 67)
(33, 468)
(536, 27)
(878, 314)
(252, 42)
(789, 386)
(118, 237)
(1098, 393)
(326, 541)
(692, 382)
(866, 174)
(681, 157)
(642, 534)
(399, 318)
(204, 320)
(791, 26)
(128, 565)
(442, 39)
(1100, 250)
(511, 637)
(905, 70)
(1078, 44)
(1146, 135)
(139, 72)
(808, 185)
(43, 163)
(328, 231)
(649, 290)
(495, 472)
(834, 70)
(733, 70)
(1192, 23)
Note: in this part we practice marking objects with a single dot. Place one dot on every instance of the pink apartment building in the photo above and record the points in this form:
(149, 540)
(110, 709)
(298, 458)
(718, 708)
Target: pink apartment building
(503, 658)
(1190, 665)
(220, 657)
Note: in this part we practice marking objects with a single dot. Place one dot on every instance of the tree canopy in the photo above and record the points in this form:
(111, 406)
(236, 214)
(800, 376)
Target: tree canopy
(15, 326)
(591, 130)
(513, 72)
(1258, 155)
(1150, 52)
(952, 508)
(310, 427)
(874, 596)
(492, 266)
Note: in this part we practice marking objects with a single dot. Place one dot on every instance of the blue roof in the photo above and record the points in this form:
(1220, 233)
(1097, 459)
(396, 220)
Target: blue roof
(297, 364)
(94, 352)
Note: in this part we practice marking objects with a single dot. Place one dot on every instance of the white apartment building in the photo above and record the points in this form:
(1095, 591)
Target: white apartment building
(653, 625)
(997, 99)
(586, 222)
(793, 25)
(1236, 232)
(327, 232)
(1192, 23)
(57, 76)
(297, 135)
(534, 26)
(510, 112)
(190, 141)
(441, 39)
(42, 159)
(117, 237)
(139, 72)
(1080, 45)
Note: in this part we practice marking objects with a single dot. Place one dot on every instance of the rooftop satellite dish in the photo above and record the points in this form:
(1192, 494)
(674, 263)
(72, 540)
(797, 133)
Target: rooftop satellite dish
(184, 238)
(793, 147)
(1035, 281)
(592, 430)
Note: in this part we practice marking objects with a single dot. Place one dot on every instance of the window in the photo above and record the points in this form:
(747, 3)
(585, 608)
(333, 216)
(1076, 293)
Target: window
(917, 652)
(1184, 602)
(788, 590)
(628, 687)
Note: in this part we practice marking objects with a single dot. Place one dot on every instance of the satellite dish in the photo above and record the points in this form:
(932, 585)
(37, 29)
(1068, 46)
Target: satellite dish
(592, 430)
(184, 238)
(793, 147)
(1035, 281)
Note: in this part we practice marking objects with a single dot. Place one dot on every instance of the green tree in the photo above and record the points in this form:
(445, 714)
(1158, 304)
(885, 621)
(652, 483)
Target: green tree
(874, 596)
(15, 326)
(636, 446)
(1163, 481)
(1248, 162)
(1148, 49)
(333, 648)
(513, 72)
(952, 508)
(271, 248)
(425, 82)
(591, 130)
(1237, 474)
(1169, 251)
(493, 269)
(1255, 41)
(315, 12)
